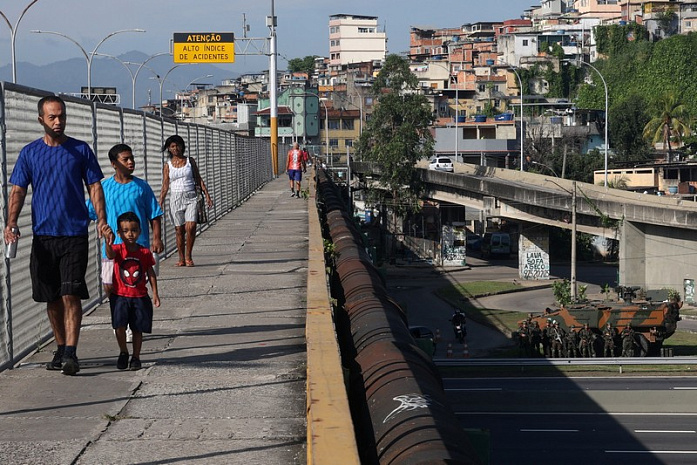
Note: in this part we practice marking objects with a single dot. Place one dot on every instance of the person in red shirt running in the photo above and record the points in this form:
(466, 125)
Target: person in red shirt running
(129, 300)
(295, 167)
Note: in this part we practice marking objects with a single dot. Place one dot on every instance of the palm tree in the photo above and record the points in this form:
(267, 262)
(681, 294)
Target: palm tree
(670, 121)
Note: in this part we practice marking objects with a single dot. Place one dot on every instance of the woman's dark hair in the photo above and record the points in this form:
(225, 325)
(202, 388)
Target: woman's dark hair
(116, 150)
(174, 138)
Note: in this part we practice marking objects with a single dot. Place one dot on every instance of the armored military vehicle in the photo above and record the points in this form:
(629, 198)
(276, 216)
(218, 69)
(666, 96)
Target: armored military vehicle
(652, 322)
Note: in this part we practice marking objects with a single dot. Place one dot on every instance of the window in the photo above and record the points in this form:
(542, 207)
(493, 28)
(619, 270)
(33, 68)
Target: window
(333, 142)
(481, 87)
(333, 124)
(525, 42)
(333, 29)
(347, 124)
(366, 30)
(348, 142)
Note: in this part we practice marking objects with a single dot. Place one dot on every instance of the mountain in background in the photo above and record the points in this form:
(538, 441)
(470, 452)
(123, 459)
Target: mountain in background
(69, 76)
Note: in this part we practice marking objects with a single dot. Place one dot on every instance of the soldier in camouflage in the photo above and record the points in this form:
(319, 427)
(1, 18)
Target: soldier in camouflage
(609, 334)
(627, 341)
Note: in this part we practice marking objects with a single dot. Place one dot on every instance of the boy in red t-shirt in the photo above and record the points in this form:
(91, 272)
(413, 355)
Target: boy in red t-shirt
(129, 300)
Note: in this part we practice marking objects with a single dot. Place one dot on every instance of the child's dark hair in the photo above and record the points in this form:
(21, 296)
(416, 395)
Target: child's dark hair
(173, 138)
(116, 150)
(128, 216)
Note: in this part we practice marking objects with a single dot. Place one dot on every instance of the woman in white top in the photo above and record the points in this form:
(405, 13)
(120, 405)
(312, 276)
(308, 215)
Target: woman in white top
(181, 174)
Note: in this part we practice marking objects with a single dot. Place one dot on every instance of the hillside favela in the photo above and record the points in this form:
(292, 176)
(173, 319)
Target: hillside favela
(480, 249)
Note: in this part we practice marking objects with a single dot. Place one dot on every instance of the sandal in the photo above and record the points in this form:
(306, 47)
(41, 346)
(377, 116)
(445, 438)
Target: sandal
(189, 262)
(179, 263)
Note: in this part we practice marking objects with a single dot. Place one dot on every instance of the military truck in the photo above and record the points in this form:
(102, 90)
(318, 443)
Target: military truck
(652, 322)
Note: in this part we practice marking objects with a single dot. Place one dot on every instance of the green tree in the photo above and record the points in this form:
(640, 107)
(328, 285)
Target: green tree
(669, 121)
(302, 65)
(397, 136)
(627, 121)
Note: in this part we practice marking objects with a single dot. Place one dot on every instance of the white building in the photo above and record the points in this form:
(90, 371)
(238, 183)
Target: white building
(355, 39)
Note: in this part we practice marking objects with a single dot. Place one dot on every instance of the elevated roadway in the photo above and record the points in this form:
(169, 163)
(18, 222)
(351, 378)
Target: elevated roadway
(658, 242)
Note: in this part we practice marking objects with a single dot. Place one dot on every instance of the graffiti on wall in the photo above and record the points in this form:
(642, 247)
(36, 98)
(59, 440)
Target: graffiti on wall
(453, 245)
(534, 257)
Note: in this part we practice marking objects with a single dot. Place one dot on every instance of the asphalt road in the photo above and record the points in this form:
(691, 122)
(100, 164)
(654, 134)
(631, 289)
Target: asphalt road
(413, 287)
(545, 421)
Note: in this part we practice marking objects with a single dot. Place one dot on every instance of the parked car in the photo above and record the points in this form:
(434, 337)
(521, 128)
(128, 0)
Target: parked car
(496, 243)
(473, 241)
(424, 339)
(441, 164)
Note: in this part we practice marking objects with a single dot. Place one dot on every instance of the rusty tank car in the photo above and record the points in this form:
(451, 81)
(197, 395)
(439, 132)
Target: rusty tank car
(652, 322)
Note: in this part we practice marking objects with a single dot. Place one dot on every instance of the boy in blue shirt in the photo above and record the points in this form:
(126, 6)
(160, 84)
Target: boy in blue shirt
(124, 192)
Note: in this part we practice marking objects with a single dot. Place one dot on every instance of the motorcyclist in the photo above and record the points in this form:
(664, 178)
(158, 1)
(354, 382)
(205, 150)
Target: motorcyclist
(459, 320)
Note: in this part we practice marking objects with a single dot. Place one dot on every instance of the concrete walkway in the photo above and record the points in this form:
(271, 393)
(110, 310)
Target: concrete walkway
(223, 378)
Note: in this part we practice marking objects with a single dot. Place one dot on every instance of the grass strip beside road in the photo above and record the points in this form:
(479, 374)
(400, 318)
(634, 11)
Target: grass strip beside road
(684, 343)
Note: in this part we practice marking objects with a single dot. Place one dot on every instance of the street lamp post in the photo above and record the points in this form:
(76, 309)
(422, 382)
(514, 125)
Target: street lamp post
(573, 281)
(13, 36)
(522, 132)
(545, 166)
(326, 129)
(130, 72)
(606, 111)
(135, 77)
(161, 81)
(187, 86)
(88, 56)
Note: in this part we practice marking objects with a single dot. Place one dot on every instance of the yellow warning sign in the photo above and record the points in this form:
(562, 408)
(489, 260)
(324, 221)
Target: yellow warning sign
(204, 47)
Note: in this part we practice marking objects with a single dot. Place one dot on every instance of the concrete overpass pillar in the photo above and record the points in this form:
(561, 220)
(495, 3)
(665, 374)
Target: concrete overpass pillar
(632, 255)
(533, 253)
(657, 257)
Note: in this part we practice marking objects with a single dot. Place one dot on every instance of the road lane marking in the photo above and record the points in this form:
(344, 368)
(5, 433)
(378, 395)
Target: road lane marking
(523, 430)
(651, 451)
(473, 389)
(685, 388)
(608, 414)
(664, 431)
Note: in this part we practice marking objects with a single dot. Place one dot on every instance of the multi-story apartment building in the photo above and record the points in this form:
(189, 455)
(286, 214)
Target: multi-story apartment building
(355, 39)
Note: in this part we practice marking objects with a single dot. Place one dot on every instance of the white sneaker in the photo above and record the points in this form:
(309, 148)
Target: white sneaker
(129, 334)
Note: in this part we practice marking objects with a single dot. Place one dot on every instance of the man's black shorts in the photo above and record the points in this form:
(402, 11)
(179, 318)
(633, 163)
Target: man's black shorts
(135, 311)
(57, 266)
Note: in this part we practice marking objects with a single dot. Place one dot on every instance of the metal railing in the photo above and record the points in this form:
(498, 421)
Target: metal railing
(233, 167)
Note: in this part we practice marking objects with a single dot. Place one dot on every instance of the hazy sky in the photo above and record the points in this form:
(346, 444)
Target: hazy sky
(302, 24)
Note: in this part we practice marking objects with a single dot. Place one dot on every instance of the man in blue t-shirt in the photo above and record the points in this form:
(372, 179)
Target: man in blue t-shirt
(123, 193)
(58, 168)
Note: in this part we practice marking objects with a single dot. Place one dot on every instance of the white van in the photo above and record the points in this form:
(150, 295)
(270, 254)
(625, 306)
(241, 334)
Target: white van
(496, 243)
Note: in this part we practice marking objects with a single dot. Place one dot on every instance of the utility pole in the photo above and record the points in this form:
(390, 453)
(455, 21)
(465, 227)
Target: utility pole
(271, 23)
(573, 242)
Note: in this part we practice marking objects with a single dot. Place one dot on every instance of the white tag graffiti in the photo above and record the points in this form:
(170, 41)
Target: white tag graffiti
(408, 402)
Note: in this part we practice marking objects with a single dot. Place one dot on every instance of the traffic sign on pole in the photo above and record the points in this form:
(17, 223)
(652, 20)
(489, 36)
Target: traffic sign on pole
(203, 47)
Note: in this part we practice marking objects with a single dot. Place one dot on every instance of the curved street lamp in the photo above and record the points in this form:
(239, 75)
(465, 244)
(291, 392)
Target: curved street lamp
(185, 91)
(606, 108)
(88, 56)
(141, 67)
(13, 34)
(545, 166)
(162, 81)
